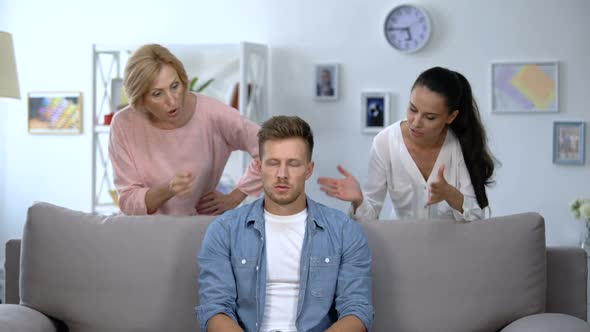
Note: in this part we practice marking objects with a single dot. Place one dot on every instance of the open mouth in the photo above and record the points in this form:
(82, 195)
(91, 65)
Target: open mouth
(173, 112)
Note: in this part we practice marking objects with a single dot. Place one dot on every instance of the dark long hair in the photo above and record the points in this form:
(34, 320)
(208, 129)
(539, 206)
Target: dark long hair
(467, 125)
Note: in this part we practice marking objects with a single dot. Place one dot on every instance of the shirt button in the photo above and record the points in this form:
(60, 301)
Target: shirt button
(243, 261)
(327, 260)
(257, 268)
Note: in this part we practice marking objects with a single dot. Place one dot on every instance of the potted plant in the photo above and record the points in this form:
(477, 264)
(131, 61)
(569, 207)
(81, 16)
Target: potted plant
(580, 209)
(193, 84)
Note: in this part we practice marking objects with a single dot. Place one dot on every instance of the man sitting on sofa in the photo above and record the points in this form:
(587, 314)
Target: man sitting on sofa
(284, 262)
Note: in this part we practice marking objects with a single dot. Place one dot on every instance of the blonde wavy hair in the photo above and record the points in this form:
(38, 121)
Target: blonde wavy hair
(143, 67)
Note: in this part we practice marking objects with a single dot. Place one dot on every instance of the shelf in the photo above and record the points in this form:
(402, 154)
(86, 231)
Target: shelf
(102, 129)
(107, 209)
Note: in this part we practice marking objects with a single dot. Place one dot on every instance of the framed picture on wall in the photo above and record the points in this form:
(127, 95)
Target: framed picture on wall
(374, 111)
(568, 142)
(326, 83)
(55, 112)
(524, 87)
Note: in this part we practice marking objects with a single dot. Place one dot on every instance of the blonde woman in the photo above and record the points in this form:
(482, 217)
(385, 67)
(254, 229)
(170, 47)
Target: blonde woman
(169, 146)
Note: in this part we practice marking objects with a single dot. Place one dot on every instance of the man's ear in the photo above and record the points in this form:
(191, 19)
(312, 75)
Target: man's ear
(309, 170)
(452, 116)
(258, 165)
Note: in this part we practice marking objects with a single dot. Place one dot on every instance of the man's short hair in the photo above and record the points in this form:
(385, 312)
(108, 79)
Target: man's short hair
(282, 127)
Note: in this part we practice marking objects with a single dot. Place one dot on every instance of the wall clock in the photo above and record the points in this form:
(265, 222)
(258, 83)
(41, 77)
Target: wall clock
(407, 28)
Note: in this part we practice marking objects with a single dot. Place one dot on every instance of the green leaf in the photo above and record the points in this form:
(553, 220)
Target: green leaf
(205, 85)
(191, 86)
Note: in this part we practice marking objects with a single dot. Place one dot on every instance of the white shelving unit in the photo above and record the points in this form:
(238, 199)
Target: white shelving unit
(245, 64)
(588, 290)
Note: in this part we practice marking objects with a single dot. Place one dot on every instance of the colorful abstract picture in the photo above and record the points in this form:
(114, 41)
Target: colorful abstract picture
(568, 142)
(525, 87)
(55, 112)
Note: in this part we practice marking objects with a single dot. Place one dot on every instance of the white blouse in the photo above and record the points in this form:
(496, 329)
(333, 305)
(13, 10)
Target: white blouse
(392, 169)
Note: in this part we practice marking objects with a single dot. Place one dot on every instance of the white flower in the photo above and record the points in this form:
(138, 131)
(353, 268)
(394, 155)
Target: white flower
(580, 209)
(585, 210)
(575, 204)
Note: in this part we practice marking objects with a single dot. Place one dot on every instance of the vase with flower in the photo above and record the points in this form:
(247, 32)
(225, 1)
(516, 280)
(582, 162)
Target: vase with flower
(580, 209)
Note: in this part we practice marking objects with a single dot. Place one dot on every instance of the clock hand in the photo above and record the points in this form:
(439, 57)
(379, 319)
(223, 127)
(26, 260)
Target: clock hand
(406, 29)
(409, 34)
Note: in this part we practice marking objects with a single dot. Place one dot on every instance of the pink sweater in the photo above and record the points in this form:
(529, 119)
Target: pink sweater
(144, 156)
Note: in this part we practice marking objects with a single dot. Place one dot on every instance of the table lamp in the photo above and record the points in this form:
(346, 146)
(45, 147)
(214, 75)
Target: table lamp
(8, 78)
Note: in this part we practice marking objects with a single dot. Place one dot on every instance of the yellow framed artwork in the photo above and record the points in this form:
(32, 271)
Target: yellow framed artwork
(525, 87)
(55, 112)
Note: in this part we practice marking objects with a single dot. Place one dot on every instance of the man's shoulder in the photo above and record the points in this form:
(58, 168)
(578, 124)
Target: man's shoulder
(327, 214)
(239, 214)
(335, 222)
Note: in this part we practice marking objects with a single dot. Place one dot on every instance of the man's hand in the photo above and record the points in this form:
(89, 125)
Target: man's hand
(348, 323)
(223, 323)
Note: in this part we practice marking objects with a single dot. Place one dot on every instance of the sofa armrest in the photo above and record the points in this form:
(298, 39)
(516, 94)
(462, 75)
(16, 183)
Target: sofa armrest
(12, 272)
(18, 318)
(548, 323)
(567, 275)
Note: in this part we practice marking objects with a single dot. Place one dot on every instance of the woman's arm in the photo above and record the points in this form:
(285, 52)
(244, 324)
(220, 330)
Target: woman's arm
(375, 188)
(462, 200)
(131, 189)
(238, 133)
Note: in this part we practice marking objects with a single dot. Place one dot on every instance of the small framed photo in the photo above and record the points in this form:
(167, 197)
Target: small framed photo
(525, 87)
(55, 112)
(568, 142)
(327, 76)
(374, 111)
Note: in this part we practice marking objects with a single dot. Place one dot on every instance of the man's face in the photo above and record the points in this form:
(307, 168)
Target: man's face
(285, 166)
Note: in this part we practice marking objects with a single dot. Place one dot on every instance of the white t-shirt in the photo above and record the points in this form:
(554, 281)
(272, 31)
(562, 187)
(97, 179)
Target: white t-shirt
(393, 170)
(284, 240)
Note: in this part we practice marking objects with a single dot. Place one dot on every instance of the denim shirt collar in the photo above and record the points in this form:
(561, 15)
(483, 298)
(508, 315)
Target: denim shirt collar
(256, 214)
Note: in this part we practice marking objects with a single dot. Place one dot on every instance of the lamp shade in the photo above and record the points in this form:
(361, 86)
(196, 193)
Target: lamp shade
(8, 78)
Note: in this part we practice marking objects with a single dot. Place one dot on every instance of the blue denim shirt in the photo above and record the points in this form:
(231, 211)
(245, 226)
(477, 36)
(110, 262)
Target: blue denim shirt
(335, 269)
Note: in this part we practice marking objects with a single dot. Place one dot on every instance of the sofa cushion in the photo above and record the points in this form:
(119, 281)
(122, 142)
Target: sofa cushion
(450, 276)
(119, 273)
(548, 323)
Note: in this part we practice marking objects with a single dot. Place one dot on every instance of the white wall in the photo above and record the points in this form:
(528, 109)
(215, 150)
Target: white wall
(54, 48)
(467, 36)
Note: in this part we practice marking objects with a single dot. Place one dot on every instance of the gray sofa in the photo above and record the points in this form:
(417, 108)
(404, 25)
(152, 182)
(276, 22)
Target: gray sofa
(84, 272)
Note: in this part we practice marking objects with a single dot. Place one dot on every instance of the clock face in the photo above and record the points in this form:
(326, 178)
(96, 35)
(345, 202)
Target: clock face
(407, 28)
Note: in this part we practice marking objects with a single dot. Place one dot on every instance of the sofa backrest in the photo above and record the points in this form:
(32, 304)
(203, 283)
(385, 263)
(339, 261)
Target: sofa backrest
(122, 273)
(448, 276)
(119, 273)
